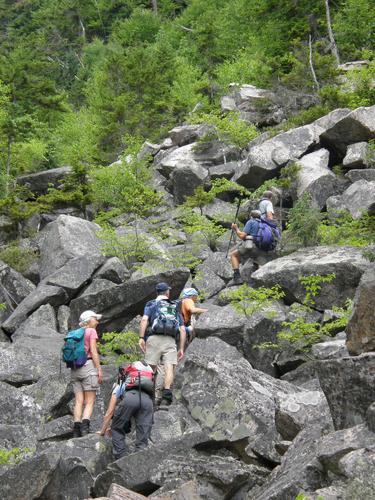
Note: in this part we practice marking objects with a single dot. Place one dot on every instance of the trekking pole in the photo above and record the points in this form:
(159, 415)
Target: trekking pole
(235, 218)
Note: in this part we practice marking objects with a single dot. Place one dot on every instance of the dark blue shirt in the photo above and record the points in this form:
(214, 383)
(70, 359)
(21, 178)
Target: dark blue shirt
(251, 227)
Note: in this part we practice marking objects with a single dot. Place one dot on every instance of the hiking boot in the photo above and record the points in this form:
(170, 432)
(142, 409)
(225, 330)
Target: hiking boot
(77, 430)
(85, 427)
(237, 280)
(167, 398)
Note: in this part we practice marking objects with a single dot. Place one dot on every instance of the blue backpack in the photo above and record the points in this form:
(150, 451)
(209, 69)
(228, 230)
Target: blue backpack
(267, 236)
(165, 318)
(73, 351)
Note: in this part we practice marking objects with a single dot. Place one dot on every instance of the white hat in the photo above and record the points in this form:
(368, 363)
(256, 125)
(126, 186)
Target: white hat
(87, 315)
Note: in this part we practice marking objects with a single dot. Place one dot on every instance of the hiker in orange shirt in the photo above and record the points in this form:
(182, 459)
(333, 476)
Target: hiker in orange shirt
(189, 310)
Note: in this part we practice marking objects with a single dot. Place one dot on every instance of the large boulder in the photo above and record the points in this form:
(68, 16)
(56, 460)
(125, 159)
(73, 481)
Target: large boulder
(315, 178)
(63, 472)
(266, 159)
(221, 322)
(358, 155)
(120, 303)
(185, 179)
(367, 174)
(357, 126)
(347, 263)
(185, 134)
(39, 182)
(361, 327)
(43, 294)
(43, 317)
(72, 276)
(13, 289)
(231, 401)
(64, 239)
(176, 462)
(348, 386)
(113, 270)
(358, 198)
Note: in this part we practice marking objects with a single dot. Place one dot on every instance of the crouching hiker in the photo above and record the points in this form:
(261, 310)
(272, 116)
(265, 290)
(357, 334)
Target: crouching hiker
(163, 323)
(80, 353)
(189, 310)
(134, 396)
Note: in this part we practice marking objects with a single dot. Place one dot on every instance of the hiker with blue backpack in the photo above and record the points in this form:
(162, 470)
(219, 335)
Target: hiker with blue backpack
(80, 353)
(161, 325)
(258, 236)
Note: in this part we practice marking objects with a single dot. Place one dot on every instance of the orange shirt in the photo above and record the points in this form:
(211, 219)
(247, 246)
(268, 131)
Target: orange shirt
(187, 305)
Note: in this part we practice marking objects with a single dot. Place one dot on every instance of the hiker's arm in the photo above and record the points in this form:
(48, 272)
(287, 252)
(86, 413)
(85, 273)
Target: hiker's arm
(198, 310)
(269, 215)
(95, 358)
(240, 234)
(142, 332)
(181, 347)
(109, 414)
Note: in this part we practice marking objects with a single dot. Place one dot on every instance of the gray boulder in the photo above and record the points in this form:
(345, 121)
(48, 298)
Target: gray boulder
(43, 294)
(221, 322)
(356, 126)
(225, 170)
(240, 404)
(348, 386)
(265, 160)
(367, 174)
(347, 263)
(357, 155)
(39, 182)
(120, 303)
(361, 327)
(220, 211)
(97, 285)
(72, 276)
(329, 349)
(113, 270)
(315, 178)
(62, 472)
(64, 239)
(43, 317)
(357, 199)
(185, 134)
(59, 428)
(185, 179)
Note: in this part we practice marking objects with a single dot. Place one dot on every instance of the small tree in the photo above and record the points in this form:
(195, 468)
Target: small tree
(304, 220)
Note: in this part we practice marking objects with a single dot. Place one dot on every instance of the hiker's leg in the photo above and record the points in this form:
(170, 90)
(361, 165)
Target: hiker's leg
(143, 421)
(78, 406)
(235, 259)
(159, 383)
(169, 374)
(89, 398)
(121, 418)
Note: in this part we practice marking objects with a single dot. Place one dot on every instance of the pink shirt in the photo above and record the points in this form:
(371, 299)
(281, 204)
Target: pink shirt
(90, 333)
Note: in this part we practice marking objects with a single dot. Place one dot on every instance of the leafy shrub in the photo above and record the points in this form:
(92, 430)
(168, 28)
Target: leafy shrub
(13, 456)
(18, 258)
(341, 228)
(303, 222)
(119, 347)
(201, 227)
(313, 285)
(247, 300)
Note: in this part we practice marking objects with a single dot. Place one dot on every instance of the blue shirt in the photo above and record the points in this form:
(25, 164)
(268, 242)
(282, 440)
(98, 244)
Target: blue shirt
(251, 227)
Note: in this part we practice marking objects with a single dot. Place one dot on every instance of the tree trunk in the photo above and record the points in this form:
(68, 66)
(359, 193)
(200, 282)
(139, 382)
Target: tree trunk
(7, 167)
(332, 40)
(312, 65)
(155, 6)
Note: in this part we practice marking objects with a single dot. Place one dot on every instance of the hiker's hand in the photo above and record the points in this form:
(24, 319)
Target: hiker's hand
(234, 227)
(180, 355)
(142, 345)
(100, 376)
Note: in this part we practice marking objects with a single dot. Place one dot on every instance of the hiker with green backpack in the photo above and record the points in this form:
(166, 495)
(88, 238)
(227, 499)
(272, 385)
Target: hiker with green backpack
(161, 325)
(80, 353)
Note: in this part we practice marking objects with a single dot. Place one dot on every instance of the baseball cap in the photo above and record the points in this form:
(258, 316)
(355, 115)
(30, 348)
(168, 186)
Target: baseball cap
(189, 292)
(86, 315)
(162, 287)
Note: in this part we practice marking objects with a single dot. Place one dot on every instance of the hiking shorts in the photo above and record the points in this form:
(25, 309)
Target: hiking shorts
(161, 349)
(85, 378)
(245, 246)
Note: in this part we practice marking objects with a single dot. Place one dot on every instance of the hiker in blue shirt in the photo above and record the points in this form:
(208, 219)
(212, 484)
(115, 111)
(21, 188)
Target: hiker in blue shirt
(249, 231)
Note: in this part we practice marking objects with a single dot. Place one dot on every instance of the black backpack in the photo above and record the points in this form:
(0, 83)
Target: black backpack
(165, 318)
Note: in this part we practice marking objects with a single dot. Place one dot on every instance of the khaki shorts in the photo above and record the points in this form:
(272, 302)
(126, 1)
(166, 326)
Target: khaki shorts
(246, 246)
(161, 349)
(85, 378)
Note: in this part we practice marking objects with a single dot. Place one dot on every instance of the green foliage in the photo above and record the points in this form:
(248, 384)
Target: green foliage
(201, 227)
(13, 456)
(369, 255)
(130, 248)
(18, 258)
(303, 222)
(119, 347)
(228, 128)
(341, 228)
(313, 285)
(247, 300)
